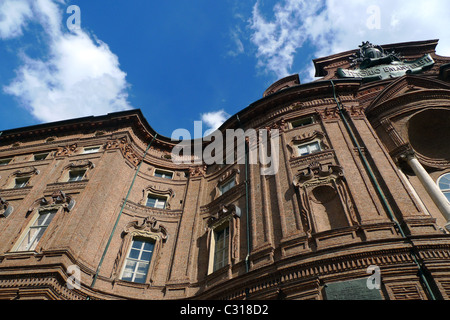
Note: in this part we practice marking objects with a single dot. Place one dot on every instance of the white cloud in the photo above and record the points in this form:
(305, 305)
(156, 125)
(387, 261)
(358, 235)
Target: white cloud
(13, 17)
(333, 26)
(214, 120)
(80, 77)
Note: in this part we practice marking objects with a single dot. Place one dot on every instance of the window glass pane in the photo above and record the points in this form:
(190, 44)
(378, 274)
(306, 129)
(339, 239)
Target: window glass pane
(40, 157)
(76, 175)
(91, 150)
(155, 202)
(146, 256)
(21, 182)
(134, 254)
(444, 182)
(302, 122)
(138, 261)
(447, 194)
(4, 162)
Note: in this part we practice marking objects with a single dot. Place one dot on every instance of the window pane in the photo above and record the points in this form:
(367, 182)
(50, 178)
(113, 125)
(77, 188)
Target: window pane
(91, 150)
(447, 194)
(138, 261)
(40, 157)
(76, 175)
(21, 182)
(155, 202)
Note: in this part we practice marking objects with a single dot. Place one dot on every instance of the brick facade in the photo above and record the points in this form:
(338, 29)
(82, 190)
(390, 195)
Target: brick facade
(323, 218)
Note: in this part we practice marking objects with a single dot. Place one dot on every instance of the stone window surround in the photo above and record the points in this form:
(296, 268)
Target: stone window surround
(149, 229)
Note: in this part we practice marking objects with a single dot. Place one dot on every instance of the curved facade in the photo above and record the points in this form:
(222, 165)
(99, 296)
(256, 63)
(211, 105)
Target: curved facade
(360, 189)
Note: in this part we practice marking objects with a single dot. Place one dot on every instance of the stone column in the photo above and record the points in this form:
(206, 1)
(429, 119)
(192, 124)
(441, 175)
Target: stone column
(430, 186)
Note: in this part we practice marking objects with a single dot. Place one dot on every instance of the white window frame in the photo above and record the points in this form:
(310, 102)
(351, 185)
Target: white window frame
(308, 145)
(73, 171)
(33, 239)
(158, 199)
(138, 260)
(164, 174)
(445, 191)
(219, 252)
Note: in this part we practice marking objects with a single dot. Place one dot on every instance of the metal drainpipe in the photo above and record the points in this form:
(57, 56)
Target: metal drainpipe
(120, 213)
(381, 194)
(246, 201)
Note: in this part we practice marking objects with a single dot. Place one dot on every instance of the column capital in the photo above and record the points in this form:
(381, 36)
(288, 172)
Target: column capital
(403, 153)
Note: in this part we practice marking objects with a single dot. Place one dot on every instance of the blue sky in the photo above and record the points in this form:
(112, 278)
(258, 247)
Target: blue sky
(183, 61)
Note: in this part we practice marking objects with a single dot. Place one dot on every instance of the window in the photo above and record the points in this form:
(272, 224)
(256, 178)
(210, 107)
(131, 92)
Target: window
(36, 230)
(309, 148)
(40, 156)
(156, 202)
(163, 174)
(444, 185)
(138, 260)
(302, 122)
(76, 175)
(88, 150)
(221, 241)
(227, 186)
(21, 182)
(4, 162)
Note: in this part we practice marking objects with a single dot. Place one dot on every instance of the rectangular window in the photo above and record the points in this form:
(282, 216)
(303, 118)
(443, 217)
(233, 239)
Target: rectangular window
(156, 202)
(302, 122)
(76, 175)
(138, 261)
(36, 230)
(310, 148)
(88, 150)
(227, 186)
(40, 156)
(221, 240)
(21, 182)
(163, 174)
(4, 162)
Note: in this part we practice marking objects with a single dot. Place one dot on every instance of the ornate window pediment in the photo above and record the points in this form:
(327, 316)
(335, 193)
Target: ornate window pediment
(56, 201)
(76, 171)
(152, 193)
(21, 178)
(307, 143)
(138, 256)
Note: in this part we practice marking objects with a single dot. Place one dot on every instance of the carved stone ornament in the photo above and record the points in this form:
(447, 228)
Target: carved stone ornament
(198, 171)
(56, 200)
(125, 148)
(66, 151)
(148, 228)
(28, 171)
(316, 174)
(5, 208)
(225, 211)
(329, 113)
(80, 164)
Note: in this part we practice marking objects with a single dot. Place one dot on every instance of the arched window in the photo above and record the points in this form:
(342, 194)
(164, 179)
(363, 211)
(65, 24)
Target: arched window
(444, 185)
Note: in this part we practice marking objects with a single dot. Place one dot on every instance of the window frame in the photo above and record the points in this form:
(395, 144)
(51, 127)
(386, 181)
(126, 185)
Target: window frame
(156, 197)
(446, 192)
(3, 163)
(302, 120)
(32, 245)
(163, 173)
(226, 185)
(69, 179)
(307, 144)
(128, 258)
(96, 148)
(22, 185)
(41, 154)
